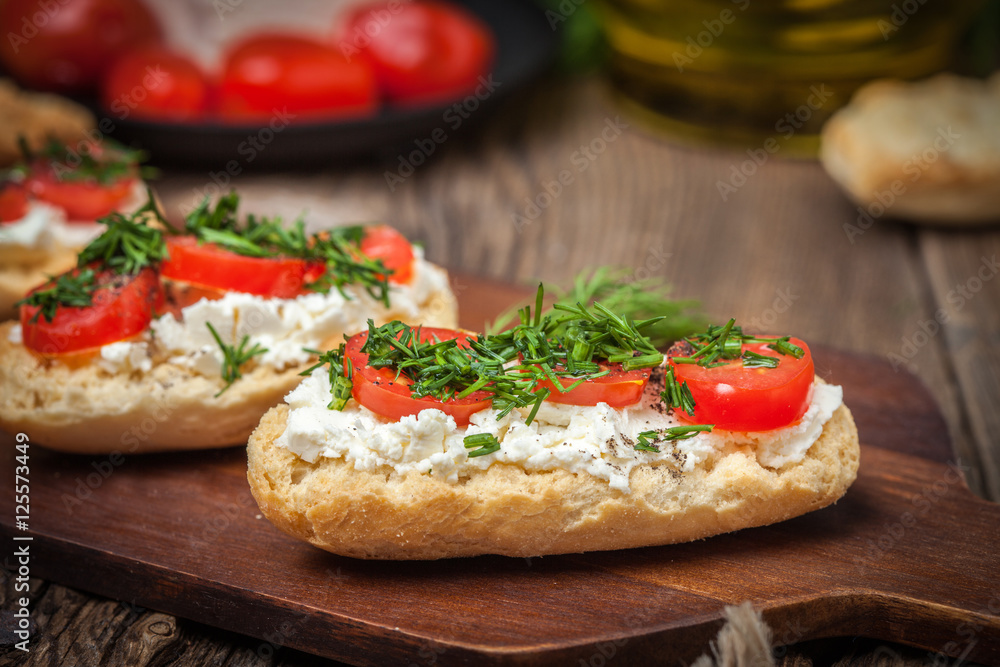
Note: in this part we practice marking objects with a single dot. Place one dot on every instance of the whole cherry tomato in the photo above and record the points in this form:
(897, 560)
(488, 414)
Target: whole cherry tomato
(270, 76)
(154, 83)
(423, 52)
(67, 45)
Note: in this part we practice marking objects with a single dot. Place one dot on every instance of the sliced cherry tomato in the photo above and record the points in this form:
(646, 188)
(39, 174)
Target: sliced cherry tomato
(750, 399)
(380, 391)
(82, 200)
(156, 84)
(618, 388)
(423, 52)
(13, 203)
(267, 76)
(122, 307)
(208, 265)
(395, 251)
(67, 45)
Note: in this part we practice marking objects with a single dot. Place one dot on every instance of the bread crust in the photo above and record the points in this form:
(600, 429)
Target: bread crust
(509, 511)
(924, 151)
(88, 410)
(38, 117)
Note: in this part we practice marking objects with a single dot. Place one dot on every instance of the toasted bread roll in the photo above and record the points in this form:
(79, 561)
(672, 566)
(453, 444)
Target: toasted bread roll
(510, 511)
(85, 408)
(38, 117)
(927, 151)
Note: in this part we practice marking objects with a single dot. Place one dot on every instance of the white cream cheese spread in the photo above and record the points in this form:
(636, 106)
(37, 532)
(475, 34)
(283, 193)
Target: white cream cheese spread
(597, 440)
(284, 327)
(44, 226)
(125, 357)
(38, 229)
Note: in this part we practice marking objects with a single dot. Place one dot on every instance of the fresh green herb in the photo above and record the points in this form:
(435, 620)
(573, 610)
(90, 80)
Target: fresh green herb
(257, 237)
(70, 289)
(714, 345)
(113, 163)
(563, 348)
(648, 440)
(784, 347)
(637, 299)
(486, 443)
(338, 249)
(677, 395)
(341, 377)
(128, 245)
(221, 217)
(722, 343)
(234, 357)
(754, 360)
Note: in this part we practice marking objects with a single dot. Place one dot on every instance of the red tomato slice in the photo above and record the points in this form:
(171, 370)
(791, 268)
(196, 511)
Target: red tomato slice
(618, 388)
(208, 265)
(13, 203)
(83, 201)
(68, 44)
(423, 52)
(122, 307)
(395, 251)
(381, 392)
(156, 84)
(750, 399)
(269, 75)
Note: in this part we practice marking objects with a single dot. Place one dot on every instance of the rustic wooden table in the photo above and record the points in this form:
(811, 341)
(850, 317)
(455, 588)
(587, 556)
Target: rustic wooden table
(558, 180)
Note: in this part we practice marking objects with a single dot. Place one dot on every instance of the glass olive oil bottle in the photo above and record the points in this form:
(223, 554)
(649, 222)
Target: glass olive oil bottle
(745, 71)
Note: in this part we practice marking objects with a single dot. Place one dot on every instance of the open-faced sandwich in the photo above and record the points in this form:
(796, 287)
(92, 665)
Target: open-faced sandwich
(567, 433)
(160, 341)
(49, 207)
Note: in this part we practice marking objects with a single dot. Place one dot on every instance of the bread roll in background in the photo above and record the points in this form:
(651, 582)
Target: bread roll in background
(38, 117)
(86, 409)
(927, 151)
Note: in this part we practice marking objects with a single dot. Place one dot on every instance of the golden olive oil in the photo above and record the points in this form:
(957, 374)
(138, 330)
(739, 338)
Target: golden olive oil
(745, 71)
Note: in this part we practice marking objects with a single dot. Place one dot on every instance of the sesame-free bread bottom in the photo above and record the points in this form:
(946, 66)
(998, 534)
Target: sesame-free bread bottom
(507, 510)
(87, 410)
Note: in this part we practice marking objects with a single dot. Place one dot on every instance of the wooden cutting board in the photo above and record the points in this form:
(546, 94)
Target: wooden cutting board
(908, 555)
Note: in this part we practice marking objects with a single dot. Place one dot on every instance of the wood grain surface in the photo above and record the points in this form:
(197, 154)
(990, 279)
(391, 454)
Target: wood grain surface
(774, 252)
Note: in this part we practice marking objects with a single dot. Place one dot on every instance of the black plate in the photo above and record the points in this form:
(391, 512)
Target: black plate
(525, 49)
